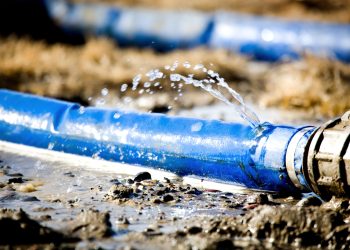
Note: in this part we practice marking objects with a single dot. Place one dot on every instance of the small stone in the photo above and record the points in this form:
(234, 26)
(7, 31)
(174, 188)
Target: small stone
(309, 201)
(156, 201)
(115, 181)
(180, 234)
(15, 180)
(194, 230)
(30, 198)
(193, 191)
(262, 199)
(142, 176)
(69, 174)
(123, 220)
(118, 192)
(167, 198)
(27, 188)
(221, 244)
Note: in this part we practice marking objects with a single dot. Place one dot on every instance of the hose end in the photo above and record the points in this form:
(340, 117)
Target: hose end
(326, 161)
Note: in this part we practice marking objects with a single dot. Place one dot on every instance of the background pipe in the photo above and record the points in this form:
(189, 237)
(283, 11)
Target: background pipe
(261, 38)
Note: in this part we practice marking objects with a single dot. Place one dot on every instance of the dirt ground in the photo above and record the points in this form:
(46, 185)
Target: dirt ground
(99, 210)
(83, 210)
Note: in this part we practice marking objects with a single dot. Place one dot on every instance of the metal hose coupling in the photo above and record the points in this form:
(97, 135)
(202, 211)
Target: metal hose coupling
(326, 160)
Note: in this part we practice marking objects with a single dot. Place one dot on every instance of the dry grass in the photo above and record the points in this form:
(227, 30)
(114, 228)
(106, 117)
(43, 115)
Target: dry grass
(313, 84)
(64, 71)
(67, 71)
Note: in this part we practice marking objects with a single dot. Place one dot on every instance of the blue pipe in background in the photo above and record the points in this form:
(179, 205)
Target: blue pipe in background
(221, 151)
(261, 38)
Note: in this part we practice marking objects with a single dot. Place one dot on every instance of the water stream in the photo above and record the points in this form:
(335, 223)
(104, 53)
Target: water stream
(212, 84)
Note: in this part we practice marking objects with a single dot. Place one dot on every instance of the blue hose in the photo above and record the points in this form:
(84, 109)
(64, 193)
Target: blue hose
(220, 151)
(261, 38)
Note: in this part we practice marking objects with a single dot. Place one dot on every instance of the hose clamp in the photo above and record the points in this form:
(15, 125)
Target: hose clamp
(292, 168)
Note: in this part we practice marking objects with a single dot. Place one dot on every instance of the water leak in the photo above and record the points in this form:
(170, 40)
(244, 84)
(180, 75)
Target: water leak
(212, 83)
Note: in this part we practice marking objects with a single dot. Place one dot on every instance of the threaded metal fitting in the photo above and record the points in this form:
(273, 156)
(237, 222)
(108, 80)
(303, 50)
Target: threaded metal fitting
(326, 163)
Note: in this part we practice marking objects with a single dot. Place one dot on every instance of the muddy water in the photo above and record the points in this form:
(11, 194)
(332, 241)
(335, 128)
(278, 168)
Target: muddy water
(55, 193)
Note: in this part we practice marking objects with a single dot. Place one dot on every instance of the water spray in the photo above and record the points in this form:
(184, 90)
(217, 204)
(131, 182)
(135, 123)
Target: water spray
(265, 157)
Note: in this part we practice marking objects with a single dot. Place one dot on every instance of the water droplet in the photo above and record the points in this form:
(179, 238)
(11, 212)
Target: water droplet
(167, 67)
(198, 66)
(100, 101)
(154, 74)
(136, 81)
(211, 73)
(147, 84)
(96, 155)
(141, 91)
(124, 87)
(104, 92)
(187, 65)
(50, 146)
(127, 99)
(81, 110)
(116, 116)
(175, 65)
(175, 77)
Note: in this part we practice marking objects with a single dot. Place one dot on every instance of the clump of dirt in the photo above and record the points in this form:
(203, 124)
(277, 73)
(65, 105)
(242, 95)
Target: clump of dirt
(294, 225)
(118, 192)
(16, 228)
(320, 10)
(313, 84)
(91, 224)
(264, 227)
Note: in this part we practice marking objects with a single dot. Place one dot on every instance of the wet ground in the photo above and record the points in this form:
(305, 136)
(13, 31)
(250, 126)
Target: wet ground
(52, 201)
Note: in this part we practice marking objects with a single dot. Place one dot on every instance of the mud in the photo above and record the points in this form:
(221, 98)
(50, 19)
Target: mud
(90, 225)
(279, 226)
(16, 228)
(96, 210)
